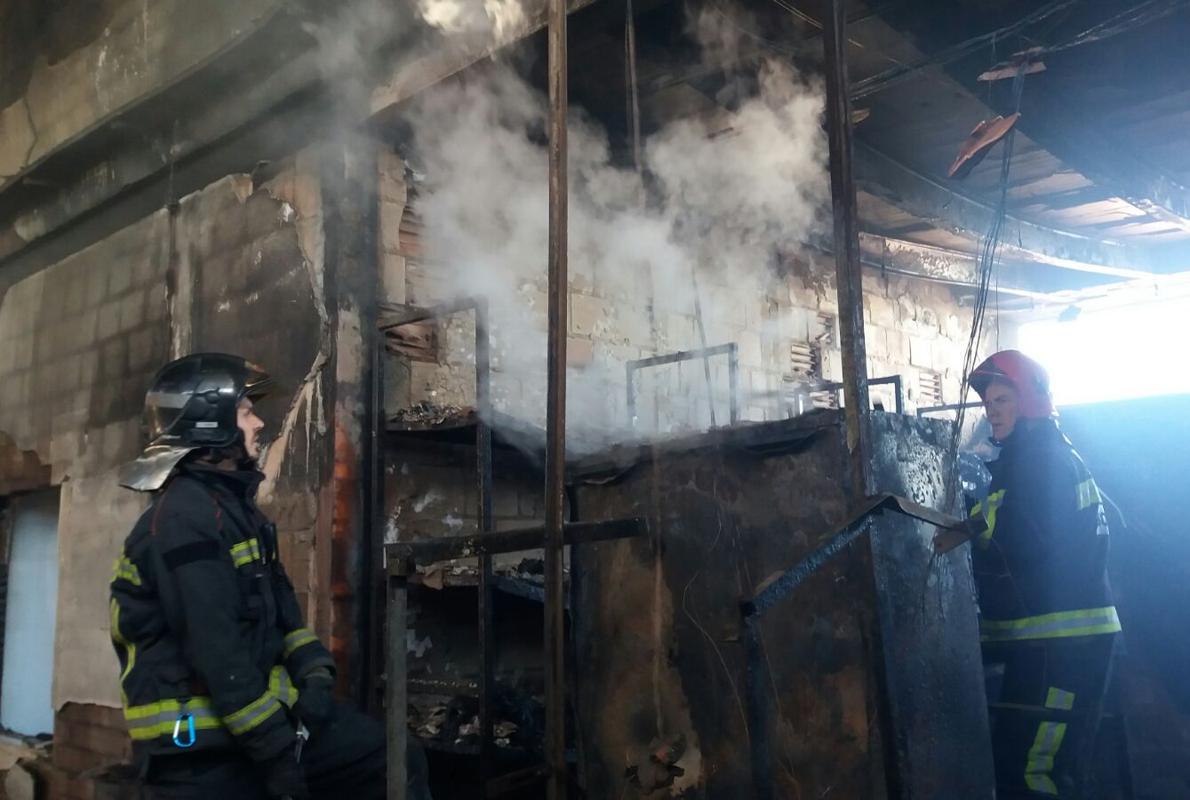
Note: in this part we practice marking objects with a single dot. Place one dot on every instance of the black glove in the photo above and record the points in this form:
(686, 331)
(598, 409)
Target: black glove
(316, 701)
(284, 777)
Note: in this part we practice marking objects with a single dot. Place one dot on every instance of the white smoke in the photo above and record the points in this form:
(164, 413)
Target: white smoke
(496, 19)
(723, 199)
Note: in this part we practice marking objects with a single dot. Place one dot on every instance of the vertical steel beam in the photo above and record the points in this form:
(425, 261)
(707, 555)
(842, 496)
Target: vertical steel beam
(374, 567)
(483, 472)
(555, 458)
(848, 273)
(395, 687)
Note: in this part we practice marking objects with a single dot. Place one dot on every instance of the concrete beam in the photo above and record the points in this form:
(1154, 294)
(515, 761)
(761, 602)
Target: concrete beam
(943, 265)
(161, 134)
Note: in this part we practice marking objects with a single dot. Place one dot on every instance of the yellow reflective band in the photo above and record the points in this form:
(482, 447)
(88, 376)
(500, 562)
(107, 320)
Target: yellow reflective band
(245, 552)
(995, 500)
(154, 720)
(1088, 494)
(253, 714)
(1059, 699)
(1041, 783)
(125, 569)
(298, 638)
(281, 686)
(129, 647)
(1041, 755)
(1058, 625)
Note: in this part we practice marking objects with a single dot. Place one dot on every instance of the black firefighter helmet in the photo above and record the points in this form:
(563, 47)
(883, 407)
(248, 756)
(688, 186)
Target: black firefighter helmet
(192, 404)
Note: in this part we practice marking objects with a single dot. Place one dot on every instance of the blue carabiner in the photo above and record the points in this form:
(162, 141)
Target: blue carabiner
(185, 715)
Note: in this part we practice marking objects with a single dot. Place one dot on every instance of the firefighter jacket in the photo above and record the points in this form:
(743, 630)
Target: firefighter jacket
(208, 632)
(1041, 565)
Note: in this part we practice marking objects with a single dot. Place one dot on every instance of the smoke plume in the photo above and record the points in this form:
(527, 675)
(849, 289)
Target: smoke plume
(721, 199)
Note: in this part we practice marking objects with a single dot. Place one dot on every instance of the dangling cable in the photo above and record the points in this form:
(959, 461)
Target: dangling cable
(987, 262)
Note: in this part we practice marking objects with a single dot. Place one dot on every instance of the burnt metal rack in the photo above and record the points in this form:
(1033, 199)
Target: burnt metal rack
(731, 350)
(951, 407)
(892, 380)
(555, 534)
(774, 590)
(401, 560)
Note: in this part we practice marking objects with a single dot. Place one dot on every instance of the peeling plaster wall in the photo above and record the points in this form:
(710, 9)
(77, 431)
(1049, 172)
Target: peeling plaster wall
(67, 67)
(81, 340)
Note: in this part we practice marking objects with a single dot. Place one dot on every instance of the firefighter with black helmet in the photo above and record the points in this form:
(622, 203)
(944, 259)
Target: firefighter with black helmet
(1047, 623)
(226, 692)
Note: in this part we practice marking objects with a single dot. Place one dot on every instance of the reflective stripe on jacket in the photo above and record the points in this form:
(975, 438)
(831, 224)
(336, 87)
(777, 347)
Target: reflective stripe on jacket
(1041, 565)
(205, 623)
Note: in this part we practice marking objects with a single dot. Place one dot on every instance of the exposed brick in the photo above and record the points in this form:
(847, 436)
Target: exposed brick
(72, 758)
(101, 744)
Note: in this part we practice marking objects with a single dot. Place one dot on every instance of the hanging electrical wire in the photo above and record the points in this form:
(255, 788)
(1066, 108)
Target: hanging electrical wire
(987, 263)
(1130, 19)
(894, 75)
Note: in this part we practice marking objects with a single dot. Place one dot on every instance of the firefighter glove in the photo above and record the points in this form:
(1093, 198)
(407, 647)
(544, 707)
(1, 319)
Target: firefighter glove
(316, 703)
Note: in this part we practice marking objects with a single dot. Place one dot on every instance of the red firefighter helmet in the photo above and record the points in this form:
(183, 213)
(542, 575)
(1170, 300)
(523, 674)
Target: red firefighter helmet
(1029, 378)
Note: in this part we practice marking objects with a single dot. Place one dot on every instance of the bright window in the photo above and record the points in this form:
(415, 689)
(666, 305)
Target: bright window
(1130, 351)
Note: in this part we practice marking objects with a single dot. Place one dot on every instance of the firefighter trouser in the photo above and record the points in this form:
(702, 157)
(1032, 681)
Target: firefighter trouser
(344, 759)
(1041, 748)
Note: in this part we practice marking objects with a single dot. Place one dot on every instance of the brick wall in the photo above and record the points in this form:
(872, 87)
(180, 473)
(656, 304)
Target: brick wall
(914, 329)
(87, 736)
(79, 343)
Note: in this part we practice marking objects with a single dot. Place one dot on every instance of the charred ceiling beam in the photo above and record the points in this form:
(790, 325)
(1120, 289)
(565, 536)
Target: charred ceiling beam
(1072, 136)
(1023, 241)
(1076, 140)
(953, 267)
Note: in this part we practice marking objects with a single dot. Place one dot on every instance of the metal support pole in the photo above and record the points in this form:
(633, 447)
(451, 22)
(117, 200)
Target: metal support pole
(760, 709)
(733, 381)
(374, 565)
(483, 470)
(555, 457)
(847, 261)
(395, 688)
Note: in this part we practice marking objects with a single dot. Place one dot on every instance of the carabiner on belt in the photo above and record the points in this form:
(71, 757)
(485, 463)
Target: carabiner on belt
(189, 720)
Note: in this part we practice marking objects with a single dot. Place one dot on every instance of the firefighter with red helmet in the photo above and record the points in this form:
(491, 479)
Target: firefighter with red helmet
(1047, 623)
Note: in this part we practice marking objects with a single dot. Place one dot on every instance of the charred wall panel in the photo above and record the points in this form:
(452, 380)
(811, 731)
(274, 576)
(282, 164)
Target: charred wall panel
(867, 659)
(928, 624)
(659, 658)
